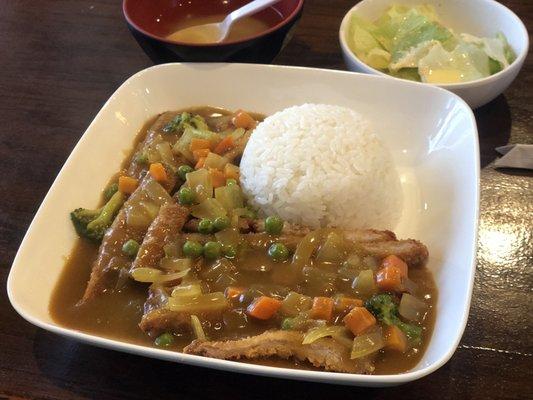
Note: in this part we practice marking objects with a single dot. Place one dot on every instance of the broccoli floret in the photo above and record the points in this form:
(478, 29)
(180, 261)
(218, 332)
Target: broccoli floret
(92, 224)
(413, 332)
(177, 122)
(383, 308)
(386, 310)
(110, 191)
(185, 119)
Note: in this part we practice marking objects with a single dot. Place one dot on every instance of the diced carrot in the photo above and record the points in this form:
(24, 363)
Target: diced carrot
(345, 304)
(243, 120)
(217, 177)
(231, 171)
(233, 292)
(359, 320)
(198, 144)
(158, 172)
(263, 307)
(322, 308)
(200, 163)
(389, 279)
(127, 184)
(224, 145)
(197, 154)
(395, 261)
(395, 339)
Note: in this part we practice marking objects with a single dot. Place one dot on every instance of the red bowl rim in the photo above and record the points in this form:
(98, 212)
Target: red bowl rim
(282, 23)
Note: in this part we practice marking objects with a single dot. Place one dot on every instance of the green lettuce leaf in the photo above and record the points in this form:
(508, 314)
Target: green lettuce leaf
(363, 43)
(411, 43)
(465, 63)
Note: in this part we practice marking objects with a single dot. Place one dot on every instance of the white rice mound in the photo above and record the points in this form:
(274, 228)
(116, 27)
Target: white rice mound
(321, 165)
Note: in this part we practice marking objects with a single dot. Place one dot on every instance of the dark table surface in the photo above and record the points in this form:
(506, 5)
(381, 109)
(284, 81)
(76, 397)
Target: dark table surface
(59, 62)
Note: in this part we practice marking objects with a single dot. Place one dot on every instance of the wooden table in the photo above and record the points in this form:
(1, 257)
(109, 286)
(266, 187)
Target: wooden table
(59, 62)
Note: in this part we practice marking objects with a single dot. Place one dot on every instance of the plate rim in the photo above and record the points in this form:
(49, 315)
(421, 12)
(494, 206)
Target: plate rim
(235, 366)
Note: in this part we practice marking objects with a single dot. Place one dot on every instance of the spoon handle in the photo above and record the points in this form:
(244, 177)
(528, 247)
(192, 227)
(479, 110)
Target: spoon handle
(249, 9)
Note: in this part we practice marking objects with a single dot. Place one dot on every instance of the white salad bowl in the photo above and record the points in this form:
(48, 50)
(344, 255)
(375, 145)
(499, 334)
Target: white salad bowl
(431, 134)
(482, 18)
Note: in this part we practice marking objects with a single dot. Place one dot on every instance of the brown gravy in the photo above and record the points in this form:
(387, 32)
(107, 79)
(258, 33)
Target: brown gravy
(116, 315)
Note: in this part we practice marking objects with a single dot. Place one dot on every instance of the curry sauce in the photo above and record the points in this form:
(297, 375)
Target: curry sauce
(208, 272)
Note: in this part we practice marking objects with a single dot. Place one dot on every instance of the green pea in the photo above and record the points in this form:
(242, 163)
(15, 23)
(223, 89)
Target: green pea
(229, 251)
(230, 182)
(273, 225)
(278, 252)
(192, 249)
(212, 250)
(130, 248)
(183, 170)
(110, 191)
(221, 223)
(186, 196)
(164, 340)
(205, 226)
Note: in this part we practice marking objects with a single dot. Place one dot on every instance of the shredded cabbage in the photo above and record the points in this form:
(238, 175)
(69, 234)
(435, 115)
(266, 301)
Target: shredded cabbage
(411, 43)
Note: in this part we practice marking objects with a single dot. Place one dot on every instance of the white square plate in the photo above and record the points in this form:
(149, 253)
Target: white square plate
(431, 133)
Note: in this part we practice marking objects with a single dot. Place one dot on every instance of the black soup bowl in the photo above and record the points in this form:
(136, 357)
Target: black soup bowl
(151, 21)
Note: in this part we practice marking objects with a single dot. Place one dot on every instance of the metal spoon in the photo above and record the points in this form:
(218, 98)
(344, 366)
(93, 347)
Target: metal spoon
(217, 32)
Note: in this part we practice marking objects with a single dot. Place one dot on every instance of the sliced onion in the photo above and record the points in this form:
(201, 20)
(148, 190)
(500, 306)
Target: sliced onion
(365, 283)
(228, 237)
(167, 157)
(201, 183)
(305, 248)
(209, 208)
(197, 328)
(409, 286)
(137, 216)
(152, 209)
(156, 193)
(324, 331)
(175, 264)
(210, 302)
(153, 155)
(190, 290)
(412, 308)
(332, 250)
(153, 275)
(302, 322)
(368, 343)
(230, 197)
(294, 303)
(213, 160)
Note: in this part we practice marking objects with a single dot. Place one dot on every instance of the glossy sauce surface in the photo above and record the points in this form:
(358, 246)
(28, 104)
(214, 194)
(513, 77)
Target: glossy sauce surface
(117, 313)
(240, 29)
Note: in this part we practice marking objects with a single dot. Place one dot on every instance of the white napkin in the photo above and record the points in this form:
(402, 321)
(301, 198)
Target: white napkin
(515, 156)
